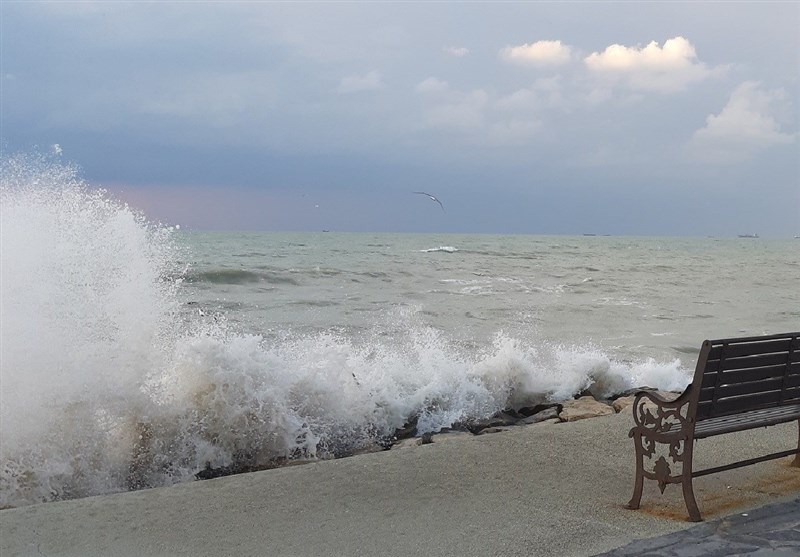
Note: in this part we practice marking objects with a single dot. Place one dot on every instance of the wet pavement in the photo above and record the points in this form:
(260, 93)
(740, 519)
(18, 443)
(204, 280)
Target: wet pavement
(773, 530)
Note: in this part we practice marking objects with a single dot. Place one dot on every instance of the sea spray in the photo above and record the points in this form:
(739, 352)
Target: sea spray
(86, 308)
(112, 380)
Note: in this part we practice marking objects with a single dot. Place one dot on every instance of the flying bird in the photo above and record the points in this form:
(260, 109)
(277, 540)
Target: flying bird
(433, 197)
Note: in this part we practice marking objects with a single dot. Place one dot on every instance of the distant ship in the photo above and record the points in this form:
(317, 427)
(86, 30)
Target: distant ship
(748, 235)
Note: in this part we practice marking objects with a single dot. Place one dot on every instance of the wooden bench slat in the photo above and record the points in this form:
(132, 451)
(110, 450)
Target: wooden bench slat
(750, 375)
(749, 387)
(748, 420)
(791, 394)
(769, 384)
(737, 404)
(747, 362)
(710, 378)
(737, 349)
(742, 376)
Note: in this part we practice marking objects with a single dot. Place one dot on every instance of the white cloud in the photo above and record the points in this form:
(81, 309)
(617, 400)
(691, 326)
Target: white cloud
(461, 111)
(432, 85)
(540, 53)
(457, 51)
(744, 127)
(370, 81)
(666, 69)
(598, 96)
(521, 99)
(544, 93)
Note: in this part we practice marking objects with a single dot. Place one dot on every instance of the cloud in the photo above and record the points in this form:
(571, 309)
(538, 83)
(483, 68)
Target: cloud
(540, 53)
(543, 93)
(459, 111)
(514, 132)
(213, 99)
(432, 85)
(457, 51)
(450, 109)
(370, 81)
(666, 69)
(744, 127)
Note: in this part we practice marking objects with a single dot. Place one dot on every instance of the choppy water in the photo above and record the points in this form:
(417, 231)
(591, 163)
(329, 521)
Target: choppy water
(135, 355)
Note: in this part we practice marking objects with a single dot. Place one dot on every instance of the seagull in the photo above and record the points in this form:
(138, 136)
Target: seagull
(434, 198)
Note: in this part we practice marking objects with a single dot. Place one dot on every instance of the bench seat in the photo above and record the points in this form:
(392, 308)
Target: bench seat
(746, 420)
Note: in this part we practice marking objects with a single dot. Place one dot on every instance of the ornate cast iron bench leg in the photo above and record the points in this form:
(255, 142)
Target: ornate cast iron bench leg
(639, 482)
(796, 461)
(686, 484)
(661, 423)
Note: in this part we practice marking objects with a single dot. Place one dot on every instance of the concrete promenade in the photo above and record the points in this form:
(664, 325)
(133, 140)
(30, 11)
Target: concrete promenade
(545, 489)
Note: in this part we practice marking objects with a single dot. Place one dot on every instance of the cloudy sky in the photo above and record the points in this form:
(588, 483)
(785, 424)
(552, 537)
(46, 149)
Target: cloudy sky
(649, 118)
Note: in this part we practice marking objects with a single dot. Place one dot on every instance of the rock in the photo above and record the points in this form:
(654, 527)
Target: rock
(546, 414)
(631, 392)
(528, 411)
(371, 448)
(409, 429)
(500, 419)
(550, 421)
(449, 436)
(623, 404)
(582, 408)
(411, 443)
(492, 430)
(668, 395)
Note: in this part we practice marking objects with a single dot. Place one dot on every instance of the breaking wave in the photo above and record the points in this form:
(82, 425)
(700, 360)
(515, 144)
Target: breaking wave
(109, 383)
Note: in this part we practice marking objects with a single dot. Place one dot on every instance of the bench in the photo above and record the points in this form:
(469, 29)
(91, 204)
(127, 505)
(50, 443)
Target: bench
(739, 384)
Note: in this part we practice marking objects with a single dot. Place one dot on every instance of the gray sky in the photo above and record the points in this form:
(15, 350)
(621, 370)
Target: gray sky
(651, 118)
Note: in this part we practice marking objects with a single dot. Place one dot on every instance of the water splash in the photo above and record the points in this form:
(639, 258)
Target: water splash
(85, 314)
(110, 382)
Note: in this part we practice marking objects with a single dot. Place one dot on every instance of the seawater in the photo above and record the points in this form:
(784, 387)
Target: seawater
(138, 355)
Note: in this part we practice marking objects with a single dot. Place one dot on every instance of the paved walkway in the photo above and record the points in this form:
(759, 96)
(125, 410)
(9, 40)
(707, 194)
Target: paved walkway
(772, 531)
(550, 490)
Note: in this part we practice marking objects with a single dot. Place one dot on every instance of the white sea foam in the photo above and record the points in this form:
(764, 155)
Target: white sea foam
(446, 249)
(109, 383)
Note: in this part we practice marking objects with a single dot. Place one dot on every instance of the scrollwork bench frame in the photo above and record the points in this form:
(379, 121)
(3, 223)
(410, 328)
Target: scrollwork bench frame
(739, 384)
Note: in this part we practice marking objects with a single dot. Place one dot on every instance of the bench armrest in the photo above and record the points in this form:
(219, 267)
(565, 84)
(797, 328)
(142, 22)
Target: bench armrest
(655, 415)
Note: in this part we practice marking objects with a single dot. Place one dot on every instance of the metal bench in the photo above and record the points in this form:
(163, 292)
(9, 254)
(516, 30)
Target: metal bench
(739, 384)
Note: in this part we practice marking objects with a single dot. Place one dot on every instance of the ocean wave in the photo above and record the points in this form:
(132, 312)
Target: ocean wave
(108, 385)
(228, 401)
(446, 249)
(238, 276)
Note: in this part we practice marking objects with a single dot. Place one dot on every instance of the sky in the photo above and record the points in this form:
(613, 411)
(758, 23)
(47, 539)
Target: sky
(622, 118)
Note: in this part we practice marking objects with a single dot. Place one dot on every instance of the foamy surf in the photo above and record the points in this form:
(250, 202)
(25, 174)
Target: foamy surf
(446, 249)
(111, 382)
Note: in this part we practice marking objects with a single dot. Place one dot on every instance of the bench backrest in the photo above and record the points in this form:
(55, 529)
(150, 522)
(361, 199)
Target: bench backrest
(740, 374)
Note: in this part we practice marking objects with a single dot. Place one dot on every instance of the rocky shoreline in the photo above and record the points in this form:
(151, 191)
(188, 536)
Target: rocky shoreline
(583, 406)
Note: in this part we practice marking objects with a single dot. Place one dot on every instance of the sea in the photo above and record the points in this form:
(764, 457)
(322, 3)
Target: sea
(137, 354)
